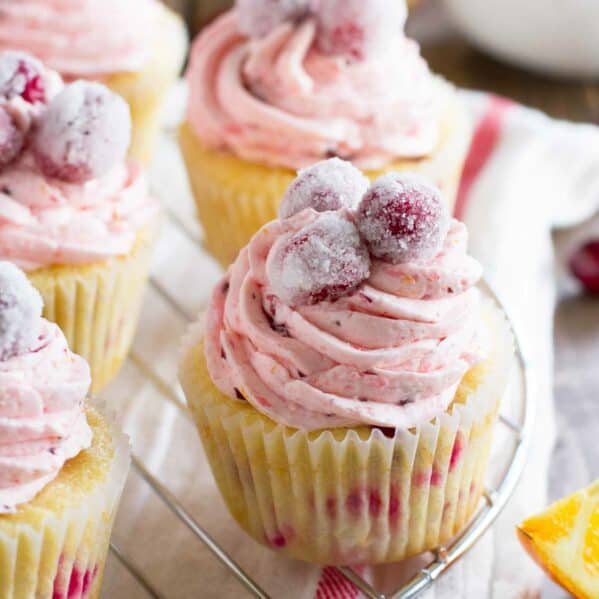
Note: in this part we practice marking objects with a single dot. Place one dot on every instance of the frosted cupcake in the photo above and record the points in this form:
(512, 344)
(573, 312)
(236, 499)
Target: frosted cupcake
(74, 214)
(135, 47)
(346, 379)
(276, 86)
(62, 465)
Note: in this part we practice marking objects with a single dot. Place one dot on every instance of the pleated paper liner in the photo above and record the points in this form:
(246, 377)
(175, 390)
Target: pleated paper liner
(55, 546)
(351, 496)
(146, 90)
(97, 306)
(234, 198)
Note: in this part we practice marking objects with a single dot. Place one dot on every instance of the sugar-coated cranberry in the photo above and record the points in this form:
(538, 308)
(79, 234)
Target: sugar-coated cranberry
(257, 18)
(12, 139)
(21, 75)
(327, 185)
(322, 262)
(358, 29)
(85, 131)
(20, 310)
(402, 218)
(584, 265)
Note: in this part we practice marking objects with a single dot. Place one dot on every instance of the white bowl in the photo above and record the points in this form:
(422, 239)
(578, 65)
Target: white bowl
(559, 37)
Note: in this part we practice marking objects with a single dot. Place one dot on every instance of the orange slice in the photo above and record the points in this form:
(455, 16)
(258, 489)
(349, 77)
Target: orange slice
(564, 541)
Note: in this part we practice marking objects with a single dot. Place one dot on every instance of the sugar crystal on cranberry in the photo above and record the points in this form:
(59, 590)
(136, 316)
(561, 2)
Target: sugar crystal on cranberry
(257, 18)
(402, 218)
(85, 131)
(21, 75)
(357, 29)
(20, 310)
(327, 185)
(12, 138)
(321, 262)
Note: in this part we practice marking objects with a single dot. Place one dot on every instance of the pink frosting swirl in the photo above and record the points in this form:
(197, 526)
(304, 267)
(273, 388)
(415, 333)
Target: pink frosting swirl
(81, 37)
(280, 101)
(47, 221)
(42, 420)
(390, 354)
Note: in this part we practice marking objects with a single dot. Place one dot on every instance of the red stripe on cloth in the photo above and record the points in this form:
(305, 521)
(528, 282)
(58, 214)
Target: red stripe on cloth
(333, 585)
(484, 141)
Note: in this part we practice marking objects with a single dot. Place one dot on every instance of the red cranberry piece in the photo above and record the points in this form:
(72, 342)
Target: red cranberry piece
(322, 262)
(584, 265)
(21, 75)
(257, 18)
(359, 29)
(12, 139)
(85, 131)
(403, 218)
(327, 185)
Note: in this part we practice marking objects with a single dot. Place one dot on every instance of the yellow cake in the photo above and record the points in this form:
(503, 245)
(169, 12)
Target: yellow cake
(55, 546)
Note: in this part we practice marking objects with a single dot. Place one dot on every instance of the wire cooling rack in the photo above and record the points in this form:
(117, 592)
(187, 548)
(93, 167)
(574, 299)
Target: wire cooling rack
(495, 496)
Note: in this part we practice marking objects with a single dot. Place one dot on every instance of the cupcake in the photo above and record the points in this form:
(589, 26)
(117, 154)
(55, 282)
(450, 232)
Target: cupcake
(347, 375)
(74, 213)
(135, 47)
(277, 86)
(62, 465)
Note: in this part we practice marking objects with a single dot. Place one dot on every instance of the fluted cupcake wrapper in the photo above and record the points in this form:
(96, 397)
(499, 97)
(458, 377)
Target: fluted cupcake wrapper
(351, 496)
(55, 546)
(97, 306)
(234, 198)
(146, 90)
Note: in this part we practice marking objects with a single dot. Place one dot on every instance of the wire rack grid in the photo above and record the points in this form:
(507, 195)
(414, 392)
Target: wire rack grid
(494, 500)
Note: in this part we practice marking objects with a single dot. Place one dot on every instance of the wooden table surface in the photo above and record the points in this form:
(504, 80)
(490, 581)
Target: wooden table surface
(577, 317)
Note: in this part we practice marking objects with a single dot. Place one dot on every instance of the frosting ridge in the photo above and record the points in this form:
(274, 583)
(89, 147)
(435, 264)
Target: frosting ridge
(67, 34)
(391, 353)
(42, 420)
(279, 100)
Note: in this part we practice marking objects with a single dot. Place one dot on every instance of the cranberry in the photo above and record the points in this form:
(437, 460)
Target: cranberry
(21, 75)
(322, 262)
(402, 218)
(327, 185)
(12, 139)
(20, 311)
(257, 18)
(358, 29)
(584, 265)
(85, 131)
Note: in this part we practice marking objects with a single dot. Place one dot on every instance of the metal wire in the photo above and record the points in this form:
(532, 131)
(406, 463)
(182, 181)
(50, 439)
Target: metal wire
(135, 572)
(171, 502)
(445, 557)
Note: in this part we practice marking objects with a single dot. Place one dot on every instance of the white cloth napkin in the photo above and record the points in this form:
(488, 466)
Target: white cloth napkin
(528, 175)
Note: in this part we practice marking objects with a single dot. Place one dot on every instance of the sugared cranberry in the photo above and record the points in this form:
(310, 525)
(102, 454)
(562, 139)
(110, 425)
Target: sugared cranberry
(403, 218)
(83, 134)
(21, 75)
(12, 138)
(359, 29)
(327, 185)
(20, 309)
(257, 18)
(322, 262)
(584, 265)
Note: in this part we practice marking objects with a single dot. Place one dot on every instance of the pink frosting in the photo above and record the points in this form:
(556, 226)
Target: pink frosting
(42, 420)
(280, 101)
(81, 37)
(46, 221)
(390, 354)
